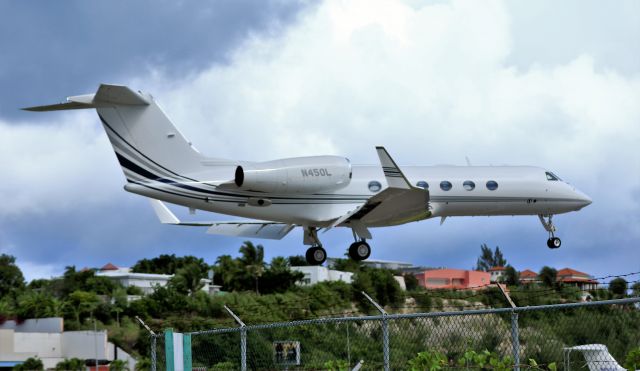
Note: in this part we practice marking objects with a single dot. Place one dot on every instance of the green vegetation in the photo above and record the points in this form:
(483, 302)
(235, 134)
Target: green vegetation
(73, 364)
(262, 292)
(632, 362)
(30, 364)
(489, 259)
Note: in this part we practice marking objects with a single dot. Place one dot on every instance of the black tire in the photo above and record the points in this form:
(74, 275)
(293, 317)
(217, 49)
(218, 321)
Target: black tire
(359, 251)
(554, 243)
(316, 255)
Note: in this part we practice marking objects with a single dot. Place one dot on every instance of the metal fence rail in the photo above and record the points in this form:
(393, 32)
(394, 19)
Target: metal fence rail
(572, 335)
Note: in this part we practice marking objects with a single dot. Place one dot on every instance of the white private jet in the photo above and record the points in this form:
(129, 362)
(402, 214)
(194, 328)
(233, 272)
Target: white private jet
(314, 193)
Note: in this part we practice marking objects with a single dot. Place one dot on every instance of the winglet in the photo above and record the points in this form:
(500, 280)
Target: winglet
(395, 177)
(164, 214)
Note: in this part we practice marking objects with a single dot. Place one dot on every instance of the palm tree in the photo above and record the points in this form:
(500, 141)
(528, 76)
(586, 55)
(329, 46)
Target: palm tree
(253, 260)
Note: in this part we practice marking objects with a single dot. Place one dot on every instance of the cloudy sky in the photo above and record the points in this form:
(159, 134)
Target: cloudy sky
(543, 83)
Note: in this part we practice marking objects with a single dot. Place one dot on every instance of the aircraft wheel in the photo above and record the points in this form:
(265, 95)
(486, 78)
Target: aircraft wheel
(554, 243)
(316, 255)
(359, 251)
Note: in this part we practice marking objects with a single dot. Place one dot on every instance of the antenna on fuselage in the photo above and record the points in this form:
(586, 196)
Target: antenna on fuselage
(468, 161)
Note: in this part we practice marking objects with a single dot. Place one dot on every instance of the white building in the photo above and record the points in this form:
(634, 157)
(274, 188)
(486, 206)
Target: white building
(386, 264)
(497, 274)
(44, 338)
(317, 273)
(147, 282)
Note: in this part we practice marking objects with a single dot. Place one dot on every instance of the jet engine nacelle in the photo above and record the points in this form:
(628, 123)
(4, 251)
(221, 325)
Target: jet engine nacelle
(295, 175)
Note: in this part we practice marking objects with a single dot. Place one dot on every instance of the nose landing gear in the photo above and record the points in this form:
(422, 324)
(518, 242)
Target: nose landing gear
(553, 242)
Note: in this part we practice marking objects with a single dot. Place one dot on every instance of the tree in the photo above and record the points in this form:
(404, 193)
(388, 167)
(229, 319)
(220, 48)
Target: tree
(618, 287)
(511, 276)
(297, 261)
(118, 365)
(81, 304)
(188, 279)
(635, 288)
(168, 264)
(11, 278)
(253, 260)
(227, 272)
(278, 277)
(548, 276)
(37, 304)
(73, 364)
(489, 259)
(30, 364)
(411, 282)
(379, 284)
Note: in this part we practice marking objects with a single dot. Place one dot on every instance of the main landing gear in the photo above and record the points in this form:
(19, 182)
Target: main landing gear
(316, 254)
(553, 242)
(360, 249)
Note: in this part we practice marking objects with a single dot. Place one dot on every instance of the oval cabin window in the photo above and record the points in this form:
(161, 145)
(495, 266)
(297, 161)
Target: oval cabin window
(492, 185)
(445, 185)
(375, 186)
(422, 184)
(468, 185)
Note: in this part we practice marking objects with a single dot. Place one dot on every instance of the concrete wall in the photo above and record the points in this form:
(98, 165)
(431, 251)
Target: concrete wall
(53, 324)
(317, 273)
(83, 344)
(46, 345)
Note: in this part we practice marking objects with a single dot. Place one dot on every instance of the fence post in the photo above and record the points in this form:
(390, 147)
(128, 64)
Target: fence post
(515, 340)
(154, 361)
(385, 331)
(243, 340)
(154, 365)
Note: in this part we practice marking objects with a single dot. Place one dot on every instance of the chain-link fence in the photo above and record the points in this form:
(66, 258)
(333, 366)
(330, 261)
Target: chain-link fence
(589, 335)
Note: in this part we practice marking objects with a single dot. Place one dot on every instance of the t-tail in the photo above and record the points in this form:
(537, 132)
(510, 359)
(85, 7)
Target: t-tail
(146, 143)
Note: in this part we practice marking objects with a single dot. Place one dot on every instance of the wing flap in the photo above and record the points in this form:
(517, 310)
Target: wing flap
(266, 230)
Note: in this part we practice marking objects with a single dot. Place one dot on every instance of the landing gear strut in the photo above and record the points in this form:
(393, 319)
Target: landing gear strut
(316, 254)
(360, 249)
(553, 242)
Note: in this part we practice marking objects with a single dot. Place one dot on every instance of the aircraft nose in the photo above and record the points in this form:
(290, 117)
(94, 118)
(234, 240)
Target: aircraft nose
(583, 199)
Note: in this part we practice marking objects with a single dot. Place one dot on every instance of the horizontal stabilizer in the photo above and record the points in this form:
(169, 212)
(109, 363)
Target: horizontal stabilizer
(241, 228)
(164, 214)
(107, 95)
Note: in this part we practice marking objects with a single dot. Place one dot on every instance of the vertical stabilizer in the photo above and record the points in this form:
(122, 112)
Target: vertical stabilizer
(147, 144)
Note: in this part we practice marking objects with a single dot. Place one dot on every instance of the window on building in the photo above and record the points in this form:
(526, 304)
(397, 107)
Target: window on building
(492, 185)
(422, 184)
(375, 186)
(437, 281)
(445, 185)
(468, 185)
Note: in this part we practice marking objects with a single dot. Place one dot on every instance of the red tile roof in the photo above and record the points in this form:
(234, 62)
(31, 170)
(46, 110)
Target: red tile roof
(527, 273)
(497, 269)
(571, 272)
(109, 267)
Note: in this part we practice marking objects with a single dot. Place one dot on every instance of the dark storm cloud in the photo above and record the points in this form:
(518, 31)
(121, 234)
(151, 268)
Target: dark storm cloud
(51, 48)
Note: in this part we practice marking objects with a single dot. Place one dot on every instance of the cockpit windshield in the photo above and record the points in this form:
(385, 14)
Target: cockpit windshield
(552, 177)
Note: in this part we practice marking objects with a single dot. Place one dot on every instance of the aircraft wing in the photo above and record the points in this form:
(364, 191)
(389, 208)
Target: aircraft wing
(239, 228)
(399, 203)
